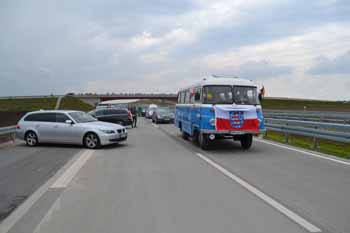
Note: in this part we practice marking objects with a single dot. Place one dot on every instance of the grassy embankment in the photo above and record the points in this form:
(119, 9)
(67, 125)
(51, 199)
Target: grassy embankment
(73, 103)
(311, 105)
(27, 104)
(325, 146)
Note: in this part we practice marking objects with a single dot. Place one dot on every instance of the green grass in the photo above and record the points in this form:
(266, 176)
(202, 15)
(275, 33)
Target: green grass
(311, 105)
(27, 104)
(73, 103)
(325, 146)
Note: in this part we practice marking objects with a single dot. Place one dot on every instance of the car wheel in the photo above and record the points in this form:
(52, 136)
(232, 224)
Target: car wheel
(246, 141)
(92, 141)
(203, 141)
(31, 138)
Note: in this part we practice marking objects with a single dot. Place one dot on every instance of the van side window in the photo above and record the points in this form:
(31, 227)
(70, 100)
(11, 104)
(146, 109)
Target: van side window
(187, 97)
(197, 95)
(192, 95)
(182, 100)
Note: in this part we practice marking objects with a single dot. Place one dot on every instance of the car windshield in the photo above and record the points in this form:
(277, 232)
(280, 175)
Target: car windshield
(163, 110)
(217, 95)
(81, 117)
(245, 95)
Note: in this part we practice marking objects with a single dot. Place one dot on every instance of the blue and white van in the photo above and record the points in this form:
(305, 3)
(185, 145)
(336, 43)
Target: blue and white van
(219, 108)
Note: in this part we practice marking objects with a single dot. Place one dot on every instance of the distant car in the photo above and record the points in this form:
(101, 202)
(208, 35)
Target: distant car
(163, 115)
(150, 111)
(141, 111)
(68, 127)
(118, 116)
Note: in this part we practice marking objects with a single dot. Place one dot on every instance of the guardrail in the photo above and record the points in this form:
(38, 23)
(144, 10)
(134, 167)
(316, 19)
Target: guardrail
(10, 131)
(315, 129)
(334, 117)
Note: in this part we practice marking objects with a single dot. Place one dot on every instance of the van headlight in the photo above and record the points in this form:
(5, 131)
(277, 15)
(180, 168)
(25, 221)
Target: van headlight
(212, 122)
(107, 131)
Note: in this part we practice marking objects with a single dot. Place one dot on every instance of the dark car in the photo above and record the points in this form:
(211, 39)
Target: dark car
(117, 116)
(141, 110)
(163, 115)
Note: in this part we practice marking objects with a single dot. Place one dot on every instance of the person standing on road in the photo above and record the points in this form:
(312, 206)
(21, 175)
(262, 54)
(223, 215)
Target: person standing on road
(134, 116)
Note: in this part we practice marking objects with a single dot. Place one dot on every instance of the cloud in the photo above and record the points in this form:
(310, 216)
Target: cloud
(261, 70)
(162, 45)
(338, 65)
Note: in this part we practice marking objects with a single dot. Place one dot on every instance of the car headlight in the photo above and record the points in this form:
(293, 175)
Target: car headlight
(107, 131)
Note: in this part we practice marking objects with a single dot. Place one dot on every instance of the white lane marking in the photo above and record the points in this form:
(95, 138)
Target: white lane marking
(290, 214)
(304, 152)
(7, 224)
(69, 174)
(154, 125)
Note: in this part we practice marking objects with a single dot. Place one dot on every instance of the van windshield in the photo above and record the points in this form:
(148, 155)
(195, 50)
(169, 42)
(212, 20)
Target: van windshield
(225, 94)
(217, 95)
(245, 95)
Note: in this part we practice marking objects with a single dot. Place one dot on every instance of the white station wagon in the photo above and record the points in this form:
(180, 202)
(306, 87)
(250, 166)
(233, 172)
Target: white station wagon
(68, 127)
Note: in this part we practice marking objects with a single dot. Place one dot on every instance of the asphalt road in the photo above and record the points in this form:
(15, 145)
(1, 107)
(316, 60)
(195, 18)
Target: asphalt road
(24, 169)
(158, 183)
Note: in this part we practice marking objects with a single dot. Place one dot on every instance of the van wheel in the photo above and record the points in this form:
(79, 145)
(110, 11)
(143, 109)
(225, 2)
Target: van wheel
(184, 135)
(92, 141)
(203, 141)
(31, 138)
(195, 137)
(246, 141)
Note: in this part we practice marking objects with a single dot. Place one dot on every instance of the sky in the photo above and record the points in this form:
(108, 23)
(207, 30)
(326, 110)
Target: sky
(295, 48)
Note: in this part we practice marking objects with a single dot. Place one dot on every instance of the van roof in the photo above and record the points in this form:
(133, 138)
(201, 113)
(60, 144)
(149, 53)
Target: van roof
(222, 80)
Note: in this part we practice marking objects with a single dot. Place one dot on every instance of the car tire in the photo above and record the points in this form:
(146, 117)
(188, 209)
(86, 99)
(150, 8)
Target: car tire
(203, 141)
(31, 138)
(92, 141)
(246, 141)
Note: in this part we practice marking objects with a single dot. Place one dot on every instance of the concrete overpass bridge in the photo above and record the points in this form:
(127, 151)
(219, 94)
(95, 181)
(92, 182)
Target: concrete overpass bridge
(95, 99)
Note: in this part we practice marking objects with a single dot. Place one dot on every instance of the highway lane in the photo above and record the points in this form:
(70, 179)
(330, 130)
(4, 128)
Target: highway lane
(156, 182)
(151, 183)
(24, 169)
(316, 188)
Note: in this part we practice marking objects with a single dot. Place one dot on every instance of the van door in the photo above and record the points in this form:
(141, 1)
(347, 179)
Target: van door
(195, 109)
(186, 117)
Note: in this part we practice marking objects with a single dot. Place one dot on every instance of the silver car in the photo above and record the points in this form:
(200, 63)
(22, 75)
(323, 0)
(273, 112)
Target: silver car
(68, 127)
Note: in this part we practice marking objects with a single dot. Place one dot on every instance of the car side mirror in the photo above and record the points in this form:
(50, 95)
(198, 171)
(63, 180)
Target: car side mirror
(69, 122)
